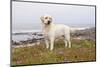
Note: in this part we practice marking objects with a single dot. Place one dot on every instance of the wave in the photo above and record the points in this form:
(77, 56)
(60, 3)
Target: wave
(25, 31)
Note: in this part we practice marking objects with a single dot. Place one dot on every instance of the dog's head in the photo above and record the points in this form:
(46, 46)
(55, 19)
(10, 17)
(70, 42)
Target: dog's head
(46, 19)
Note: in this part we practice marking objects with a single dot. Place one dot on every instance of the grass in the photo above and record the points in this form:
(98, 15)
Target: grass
(82, 50)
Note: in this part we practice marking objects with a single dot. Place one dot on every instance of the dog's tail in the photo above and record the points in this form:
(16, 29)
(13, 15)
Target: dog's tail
(75, 29)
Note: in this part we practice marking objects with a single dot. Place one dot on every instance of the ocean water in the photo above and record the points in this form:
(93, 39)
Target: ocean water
(23, 35)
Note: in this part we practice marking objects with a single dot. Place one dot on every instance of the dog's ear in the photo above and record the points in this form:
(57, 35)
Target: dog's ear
(51, 18)
(41, 18)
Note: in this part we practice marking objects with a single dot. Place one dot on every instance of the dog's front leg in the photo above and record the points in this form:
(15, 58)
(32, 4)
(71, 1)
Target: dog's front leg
(47, 43)
(51, 43)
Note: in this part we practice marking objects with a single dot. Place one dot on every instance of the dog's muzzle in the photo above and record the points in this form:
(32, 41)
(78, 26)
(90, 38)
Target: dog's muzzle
(49, 22)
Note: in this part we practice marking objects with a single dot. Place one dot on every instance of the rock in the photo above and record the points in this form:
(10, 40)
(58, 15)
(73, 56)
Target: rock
(60, 52)
(15, 43)
(85, 34)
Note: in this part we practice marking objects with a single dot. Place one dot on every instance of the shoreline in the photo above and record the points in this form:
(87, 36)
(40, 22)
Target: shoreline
(88, 34)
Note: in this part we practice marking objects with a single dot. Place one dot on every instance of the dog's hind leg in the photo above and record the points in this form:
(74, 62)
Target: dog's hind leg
(65, 43)
(69, 42)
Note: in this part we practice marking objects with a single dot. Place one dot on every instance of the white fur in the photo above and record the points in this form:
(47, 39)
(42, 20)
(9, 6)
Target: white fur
(54, 31)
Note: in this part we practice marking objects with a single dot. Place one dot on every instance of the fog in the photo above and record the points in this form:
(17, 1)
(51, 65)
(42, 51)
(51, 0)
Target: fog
(26, 16)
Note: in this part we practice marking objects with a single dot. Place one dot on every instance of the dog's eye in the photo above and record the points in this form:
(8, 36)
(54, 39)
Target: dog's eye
(46, 17)
(50, 18)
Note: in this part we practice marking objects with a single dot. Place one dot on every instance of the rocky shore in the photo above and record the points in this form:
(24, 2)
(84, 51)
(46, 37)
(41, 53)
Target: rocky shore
(89, 34)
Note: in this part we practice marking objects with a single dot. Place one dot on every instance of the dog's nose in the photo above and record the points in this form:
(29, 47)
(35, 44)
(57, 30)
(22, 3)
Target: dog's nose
(49, 22)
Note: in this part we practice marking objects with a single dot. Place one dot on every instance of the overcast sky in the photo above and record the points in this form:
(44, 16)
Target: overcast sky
(27, 15)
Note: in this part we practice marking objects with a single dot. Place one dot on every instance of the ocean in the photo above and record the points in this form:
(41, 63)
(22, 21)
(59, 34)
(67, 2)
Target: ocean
(23, 35)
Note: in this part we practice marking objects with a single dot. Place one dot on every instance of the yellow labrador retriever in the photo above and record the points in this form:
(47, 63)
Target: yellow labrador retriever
(53, 31)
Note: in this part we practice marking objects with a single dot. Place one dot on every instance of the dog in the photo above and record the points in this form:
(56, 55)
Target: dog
(53, 31)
